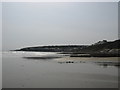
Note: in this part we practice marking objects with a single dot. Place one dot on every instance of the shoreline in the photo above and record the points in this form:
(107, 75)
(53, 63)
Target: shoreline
(99, 49)
(95, 55)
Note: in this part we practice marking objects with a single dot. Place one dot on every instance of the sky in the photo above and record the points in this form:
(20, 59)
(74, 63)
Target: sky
(60, 0)
(57, 23)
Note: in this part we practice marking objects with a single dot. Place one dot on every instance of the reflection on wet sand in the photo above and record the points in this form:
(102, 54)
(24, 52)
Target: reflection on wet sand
(41, 57)
(65, 60)
(68, 62)
(106, 64)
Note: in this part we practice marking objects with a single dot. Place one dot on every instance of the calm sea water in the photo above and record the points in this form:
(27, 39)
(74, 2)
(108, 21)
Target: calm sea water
(51, 70)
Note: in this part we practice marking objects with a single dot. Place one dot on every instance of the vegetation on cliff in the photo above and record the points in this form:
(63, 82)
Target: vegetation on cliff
(101, 48)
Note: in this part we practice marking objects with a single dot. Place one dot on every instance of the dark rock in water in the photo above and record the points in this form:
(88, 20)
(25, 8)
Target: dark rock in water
(118, 65)
(69, 62)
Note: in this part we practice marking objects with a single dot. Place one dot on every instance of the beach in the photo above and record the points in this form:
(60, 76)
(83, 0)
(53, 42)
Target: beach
(52, 70)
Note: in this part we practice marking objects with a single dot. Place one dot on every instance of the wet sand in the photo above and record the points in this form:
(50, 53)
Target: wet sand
(64, 72)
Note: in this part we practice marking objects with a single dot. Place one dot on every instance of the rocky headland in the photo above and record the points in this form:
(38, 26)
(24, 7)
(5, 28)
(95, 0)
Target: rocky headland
(100, 49)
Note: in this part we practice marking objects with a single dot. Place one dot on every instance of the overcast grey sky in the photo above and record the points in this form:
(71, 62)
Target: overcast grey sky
(34, 24)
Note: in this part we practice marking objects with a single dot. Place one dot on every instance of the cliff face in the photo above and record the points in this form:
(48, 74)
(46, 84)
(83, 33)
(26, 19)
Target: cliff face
(106, 49)
(101, 47)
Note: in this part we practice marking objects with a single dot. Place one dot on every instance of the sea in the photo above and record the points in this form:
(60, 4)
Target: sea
(53, 70)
